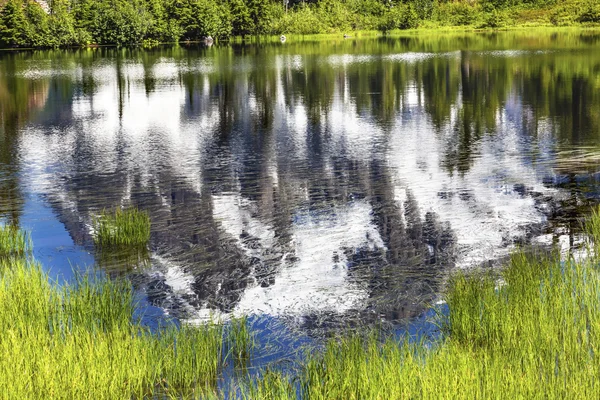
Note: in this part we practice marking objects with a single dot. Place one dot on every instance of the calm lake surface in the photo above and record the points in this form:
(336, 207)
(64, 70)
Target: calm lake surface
(312, 185)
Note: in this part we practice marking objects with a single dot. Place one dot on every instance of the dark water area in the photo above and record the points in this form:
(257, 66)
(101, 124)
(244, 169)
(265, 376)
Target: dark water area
(314, 186)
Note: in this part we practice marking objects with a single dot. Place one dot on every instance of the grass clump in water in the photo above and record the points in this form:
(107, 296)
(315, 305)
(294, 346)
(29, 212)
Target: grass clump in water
(14, 242)
(534, 335)
(80, 341)
(122, 228)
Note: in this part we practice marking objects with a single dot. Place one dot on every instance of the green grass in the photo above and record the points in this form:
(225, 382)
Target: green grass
(240, 341)
(13, 242)
(533, 334)
(80, 341)
(122, 228)
(271, 385)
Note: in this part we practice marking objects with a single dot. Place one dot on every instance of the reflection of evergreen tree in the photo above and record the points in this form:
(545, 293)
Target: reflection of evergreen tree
(559, 88)
(417, 252)
(10, 191)
(565, 89)
(440, 84)
(317, 83)
(378, 87)
(484, 88)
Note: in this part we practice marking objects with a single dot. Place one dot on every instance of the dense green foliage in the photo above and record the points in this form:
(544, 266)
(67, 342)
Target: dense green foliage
(25, 23)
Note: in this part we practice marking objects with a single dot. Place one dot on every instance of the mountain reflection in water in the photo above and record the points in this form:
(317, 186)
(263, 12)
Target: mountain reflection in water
(322, 182)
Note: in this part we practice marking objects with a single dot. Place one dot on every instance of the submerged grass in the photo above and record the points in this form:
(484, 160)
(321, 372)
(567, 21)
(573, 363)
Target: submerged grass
(271, 385)
(80, 341)
(240, 341)
(533, 334)
(13, 242)
(121, 259)
(122, 228)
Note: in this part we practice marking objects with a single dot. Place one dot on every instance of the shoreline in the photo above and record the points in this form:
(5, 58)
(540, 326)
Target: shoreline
(338, 36)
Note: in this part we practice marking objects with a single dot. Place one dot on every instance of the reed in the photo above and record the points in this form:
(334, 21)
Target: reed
(537, 336)
(592, 227)
(122, 228)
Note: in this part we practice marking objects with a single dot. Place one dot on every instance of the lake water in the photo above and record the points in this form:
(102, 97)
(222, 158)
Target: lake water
(311, 185)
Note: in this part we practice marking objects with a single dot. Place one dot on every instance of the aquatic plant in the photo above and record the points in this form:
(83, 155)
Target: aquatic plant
(270, 385)
(592, 227)
(240, 341)
(80, 341)
(122, 228)
(13, 241)
(535, 333)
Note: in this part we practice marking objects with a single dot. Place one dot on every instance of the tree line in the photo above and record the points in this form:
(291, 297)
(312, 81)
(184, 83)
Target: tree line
(63, 23)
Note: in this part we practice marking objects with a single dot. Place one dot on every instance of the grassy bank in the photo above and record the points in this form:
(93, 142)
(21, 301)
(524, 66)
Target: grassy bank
(533, 334)
(80, 341)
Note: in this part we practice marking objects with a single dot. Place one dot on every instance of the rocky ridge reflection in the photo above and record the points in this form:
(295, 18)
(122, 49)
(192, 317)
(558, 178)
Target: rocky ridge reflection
(290, 185)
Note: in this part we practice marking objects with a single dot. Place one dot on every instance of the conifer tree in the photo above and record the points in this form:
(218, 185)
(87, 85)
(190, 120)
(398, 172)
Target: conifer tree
(37, 34)
(61, 25)
(13, 25)
(241, 20)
